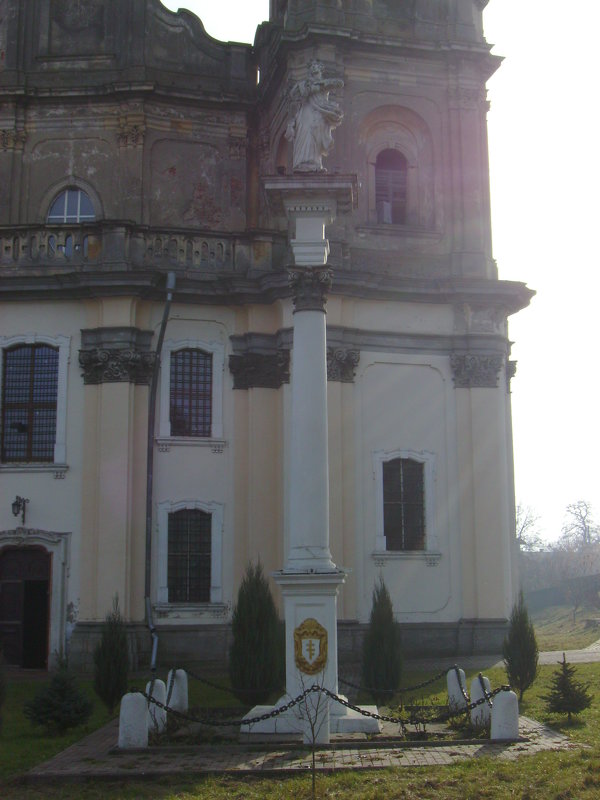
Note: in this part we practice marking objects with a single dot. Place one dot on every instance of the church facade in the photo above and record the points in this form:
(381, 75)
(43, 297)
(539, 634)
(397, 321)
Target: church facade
(146, 324)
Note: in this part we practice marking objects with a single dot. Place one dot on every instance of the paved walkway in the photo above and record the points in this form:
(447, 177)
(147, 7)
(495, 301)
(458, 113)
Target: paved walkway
(96, 756)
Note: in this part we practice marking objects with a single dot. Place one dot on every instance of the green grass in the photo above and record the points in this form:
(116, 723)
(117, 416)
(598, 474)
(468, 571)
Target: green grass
(556, 628)
(572, 775)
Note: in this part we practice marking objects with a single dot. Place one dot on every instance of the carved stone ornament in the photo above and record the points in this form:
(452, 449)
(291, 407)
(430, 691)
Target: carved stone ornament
(131, 135)
(511, 371)
(341, 364)
(476, 371)
(310, 647)
(11, 138)
(312, 118)
(309, 288)
(116, 355)
(260, 370)
(115, 366)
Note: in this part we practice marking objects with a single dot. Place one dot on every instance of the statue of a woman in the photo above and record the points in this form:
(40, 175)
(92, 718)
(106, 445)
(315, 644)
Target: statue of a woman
(310, 128)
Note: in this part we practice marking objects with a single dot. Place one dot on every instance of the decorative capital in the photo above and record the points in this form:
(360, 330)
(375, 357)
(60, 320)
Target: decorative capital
(115, 355)
(511, 371)
(309, 288)
(116, 366)
(341, 364)
(131, 134)
(476, 371)
(11, 138)
(260, 370)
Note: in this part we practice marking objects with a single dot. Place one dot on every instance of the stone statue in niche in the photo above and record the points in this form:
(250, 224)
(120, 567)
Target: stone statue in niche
(316, 116)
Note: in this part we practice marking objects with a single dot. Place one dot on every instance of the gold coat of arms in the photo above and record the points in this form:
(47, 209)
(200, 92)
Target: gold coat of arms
(310, 647)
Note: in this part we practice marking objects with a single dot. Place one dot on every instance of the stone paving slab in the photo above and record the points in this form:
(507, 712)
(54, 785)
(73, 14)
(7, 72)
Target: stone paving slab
(96, 756)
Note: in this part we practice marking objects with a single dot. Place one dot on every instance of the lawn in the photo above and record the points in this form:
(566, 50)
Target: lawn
(558, 628)
(573, 775)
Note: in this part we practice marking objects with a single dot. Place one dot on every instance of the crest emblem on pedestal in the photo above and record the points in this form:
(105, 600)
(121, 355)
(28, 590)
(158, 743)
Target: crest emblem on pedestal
(310, 647)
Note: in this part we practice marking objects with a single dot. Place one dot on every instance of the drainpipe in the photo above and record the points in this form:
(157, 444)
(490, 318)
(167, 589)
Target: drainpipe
(150, 467)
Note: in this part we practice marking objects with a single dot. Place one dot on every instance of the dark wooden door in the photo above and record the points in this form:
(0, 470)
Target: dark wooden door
(24, 605)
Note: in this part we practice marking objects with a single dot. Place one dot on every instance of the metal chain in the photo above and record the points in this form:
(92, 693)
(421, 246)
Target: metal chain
(314, 688)
(228, 689)
(401, 690)
(484, 690)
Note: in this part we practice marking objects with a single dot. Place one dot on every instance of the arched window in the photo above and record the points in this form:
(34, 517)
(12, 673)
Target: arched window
(391, 170)
(71, 206)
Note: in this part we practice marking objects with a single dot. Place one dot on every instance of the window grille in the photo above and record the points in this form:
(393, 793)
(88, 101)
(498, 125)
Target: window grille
(29, 398)
(391, 172)
(403, 504)
(71, 206)
(189, 556)
(191, 393)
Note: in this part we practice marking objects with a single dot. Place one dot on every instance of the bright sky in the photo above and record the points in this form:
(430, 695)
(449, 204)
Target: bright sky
(545, 179)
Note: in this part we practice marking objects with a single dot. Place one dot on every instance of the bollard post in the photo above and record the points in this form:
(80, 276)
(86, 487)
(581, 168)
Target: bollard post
(133, 722)
(177, 684)
(456, 685)
(157, 717)
(481, 715)
(505, 717)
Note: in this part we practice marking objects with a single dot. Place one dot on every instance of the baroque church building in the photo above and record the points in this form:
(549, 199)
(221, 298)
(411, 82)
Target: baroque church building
(146, 324)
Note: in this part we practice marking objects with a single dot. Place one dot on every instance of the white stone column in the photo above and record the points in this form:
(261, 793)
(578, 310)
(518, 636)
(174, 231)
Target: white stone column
(309, 460)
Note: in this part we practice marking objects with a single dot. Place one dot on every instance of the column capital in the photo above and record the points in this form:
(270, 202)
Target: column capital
(310, 288)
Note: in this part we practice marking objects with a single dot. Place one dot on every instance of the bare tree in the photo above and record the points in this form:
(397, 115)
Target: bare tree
(579, 529)
(527, 529)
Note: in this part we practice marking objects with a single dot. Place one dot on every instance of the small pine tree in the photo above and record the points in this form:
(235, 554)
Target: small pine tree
(60, 705)
(382, 659)
(567, 695)
(520, 649)
(111, 659)
(256, 657)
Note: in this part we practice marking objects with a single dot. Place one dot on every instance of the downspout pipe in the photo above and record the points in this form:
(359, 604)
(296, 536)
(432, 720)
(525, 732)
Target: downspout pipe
(170, 286)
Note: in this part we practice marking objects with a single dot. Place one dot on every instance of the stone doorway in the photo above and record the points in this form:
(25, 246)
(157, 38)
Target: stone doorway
(25, 583)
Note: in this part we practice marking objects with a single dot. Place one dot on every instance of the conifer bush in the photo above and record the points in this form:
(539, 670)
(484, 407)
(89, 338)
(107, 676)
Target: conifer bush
(2, 686)
(567, 695)
(256, 657)
(520, 650)
(60, 705)
(111, 660)
(382, 657)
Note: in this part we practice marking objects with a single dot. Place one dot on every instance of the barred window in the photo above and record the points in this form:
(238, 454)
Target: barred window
(391, 171)
(29, 401)
(189, 556)
(403, 504)
(71, 206)
(191, 393)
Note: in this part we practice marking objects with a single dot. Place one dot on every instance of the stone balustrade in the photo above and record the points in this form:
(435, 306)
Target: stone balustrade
(122, 246)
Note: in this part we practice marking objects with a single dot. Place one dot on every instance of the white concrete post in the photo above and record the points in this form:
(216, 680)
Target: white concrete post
(177, 682)
(456, 697)
(480, 716)
(505, 717)
(133, 722)
(157, 717)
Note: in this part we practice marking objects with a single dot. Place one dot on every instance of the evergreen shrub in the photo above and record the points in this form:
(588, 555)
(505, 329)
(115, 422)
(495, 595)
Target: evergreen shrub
(111, 660)
(520, 650)
(382, 656)
(60, 705)
(2, 686)
(567, 695)
(256, 657)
